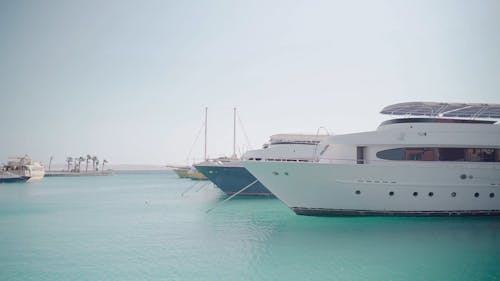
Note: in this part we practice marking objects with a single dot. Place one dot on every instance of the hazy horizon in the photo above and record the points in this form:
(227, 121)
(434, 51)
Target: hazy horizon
(128, 81)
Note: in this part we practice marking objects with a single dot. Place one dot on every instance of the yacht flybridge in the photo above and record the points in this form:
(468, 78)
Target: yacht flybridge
(439, 159)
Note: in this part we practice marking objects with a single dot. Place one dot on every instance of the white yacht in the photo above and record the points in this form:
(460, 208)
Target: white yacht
(442, 159)
(24, 167)
(230, 176)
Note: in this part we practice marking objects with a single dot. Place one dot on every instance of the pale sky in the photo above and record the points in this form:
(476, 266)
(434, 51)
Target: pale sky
(129, 80)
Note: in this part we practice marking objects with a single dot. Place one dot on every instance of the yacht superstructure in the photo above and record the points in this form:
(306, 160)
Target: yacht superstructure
(230, 176)
(442, 160)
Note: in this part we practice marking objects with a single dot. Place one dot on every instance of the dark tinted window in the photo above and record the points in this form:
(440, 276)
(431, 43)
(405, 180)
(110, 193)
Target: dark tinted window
(441, 154)
(423, 154)
(451, 154)
(392, 154)
(360, 154)
(481, 155)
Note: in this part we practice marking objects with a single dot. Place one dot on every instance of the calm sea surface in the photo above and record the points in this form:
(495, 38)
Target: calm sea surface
(139, 227)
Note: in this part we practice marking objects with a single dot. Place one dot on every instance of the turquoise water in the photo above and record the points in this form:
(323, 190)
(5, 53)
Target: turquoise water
(139, 227)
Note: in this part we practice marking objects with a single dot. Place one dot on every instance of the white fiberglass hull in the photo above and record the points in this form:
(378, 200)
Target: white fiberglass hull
(384, 190)
(35, 172)
(36, 176)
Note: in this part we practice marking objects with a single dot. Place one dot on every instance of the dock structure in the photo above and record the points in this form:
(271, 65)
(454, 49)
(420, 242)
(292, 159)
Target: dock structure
(77, 174)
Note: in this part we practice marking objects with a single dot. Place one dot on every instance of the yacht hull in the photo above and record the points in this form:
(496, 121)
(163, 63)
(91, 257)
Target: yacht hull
(36, 176)
(231, 179)
(9, 179)
(330, 189)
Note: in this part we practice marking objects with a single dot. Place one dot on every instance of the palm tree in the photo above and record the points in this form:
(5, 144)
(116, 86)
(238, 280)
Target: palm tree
(50, 161)
(69, 160)
(87, 165)
(103, 162)
(97, 165)
(94, 160)
(80, 160)
(75, 164)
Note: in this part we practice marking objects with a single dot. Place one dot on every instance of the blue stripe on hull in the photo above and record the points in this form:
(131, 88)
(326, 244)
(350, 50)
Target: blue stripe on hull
(232, 179)
(358, 213)
(14, 179)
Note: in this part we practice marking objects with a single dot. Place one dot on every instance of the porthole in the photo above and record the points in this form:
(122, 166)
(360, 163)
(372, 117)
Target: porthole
(476, 195)
(453, 194)
(391, 193)
(275, 173)
(492, 195)
(431, 194)
(286, 173)
(470, 176)
(463, 176)
(358, 192)
(415, 194)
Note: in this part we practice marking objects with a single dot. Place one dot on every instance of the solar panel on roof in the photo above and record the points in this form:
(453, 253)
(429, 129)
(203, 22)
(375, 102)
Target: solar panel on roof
(465, 110)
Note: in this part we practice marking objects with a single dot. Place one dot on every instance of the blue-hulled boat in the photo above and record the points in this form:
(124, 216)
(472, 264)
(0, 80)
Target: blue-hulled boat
(231, 177)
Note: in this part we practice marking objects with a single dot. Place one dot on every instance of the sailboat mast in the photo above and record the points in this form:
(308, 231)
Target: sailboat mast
(234, 133)
(206, 120)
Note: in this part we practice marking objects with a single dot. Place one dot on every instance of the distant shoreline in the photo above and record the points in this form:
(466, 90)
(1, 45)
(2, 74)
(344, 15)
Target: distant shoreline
(115, 167)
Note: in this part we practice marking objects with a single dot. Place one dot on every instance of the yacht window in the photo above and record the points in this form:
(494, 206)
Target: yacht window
(480, 154)
(423, 154)
(360, 155)
(441, 154)
(391, 154)
(451, 154)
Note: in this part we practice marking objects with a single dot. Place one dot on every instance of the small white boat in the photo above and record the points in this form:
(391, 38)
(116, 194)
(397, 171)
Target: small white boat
(25, 168)
(189, 172)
